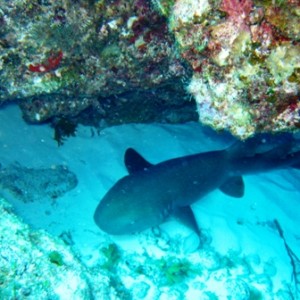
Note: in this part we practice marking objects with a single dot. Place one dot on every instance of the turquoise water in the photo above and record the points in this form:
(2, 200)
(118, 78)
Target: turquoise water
(249, 247)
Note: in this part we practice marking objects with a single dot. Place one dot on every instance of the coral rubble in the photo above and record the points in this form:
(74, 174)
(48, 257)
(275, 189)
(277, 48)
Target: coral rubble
(35, 265)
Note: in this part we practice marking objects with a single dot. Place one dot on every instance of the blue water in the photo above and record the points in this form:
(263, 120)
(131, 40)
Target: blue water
(249, 247)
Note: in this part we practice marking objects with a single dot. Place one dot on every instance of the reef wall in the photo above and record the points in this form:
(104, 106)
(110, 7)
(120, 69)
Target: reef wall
(245, 57)
(120, 61)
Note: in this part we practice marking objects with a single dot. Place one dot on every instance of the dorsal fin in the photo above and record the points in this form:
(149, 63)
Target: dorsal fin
(134, 162)
(233, 187)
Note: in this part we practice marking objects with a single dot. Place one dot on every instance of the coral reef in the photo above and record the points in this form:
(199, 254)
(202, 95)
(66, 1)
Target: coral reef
(241, 56)
(245, 60)
(60, 57)
(168, 104)
(35, 265)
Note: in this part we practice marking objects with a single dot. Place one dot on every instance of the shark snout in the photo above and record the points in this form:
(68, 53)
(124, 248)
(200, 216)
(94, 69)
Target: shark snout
(116, 220)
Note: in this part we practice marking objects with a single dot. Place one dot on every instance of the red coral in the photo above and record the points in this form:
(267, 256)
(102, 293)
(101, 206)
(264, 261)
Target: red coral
(142, 7)
(51, 64)
(237, 10)
(262, 34)
(294, 2)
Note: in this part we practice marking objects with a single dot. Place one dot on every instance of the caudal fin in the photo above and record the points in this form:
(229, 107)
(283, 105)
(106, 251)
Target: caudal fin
(276, 145)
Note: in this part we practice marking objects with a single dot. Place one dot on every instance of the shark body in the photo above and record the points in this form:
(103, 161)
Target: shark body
(151, 193)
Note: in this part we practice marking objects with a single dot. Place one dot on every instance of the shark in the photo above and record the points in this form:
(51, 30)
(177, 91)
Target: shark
(151, 193)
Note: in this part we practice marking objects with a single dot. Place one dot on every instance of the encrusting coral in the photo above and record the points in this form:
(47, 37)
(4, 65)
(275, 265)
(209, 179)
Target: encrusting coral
(240, 57)
(245, 60)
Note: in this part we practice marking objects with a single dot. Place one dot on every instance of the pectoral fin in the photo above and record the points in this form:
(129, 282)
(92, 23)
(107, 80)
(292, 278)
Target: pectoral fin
(233, 187)
(186, 216)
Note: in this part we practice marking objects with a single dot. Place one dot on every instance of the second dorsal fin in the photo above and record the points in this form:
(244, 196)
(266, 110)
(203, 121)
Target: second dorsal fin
(134, 162)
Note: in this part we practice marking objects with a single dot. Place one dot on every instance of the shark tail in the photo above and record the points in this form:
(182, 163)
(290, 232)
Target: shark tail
(275, 145)
(264, 152)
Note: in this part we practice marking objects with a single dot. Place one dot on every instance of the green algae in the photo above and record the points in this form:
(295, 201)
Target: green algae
(56, 258)
(175, 271)
(112, 255)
